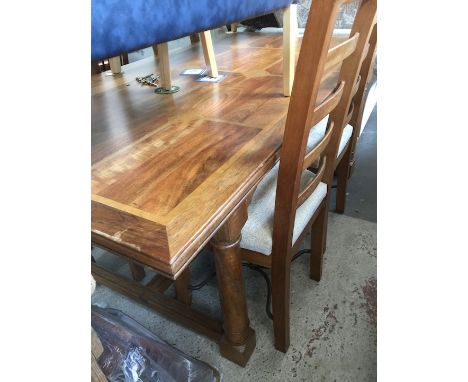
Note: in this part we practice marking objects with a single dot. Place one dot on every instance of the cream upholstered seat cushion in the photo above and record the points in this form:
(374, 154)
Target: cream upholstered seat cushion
(258, 231)
(318, 132)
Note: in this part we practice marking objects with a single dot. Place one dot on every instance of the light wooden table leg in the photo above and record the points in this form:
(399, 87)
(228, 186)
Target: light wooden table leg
(289, 47)
(234, 27)
(209, 54)
(238, 341)
(164, 66)
(114, 64)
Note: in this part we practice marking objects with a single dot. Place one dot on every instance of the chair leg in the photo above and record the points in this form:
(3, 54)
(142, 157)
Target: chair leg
(318, 242)
(280, 272)
(183, 293)
(342, 172)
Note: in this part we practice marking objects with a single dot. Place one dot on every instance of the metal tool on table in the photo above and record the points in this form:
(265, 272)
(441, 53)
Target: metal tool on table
(153, 80)
(149, 79)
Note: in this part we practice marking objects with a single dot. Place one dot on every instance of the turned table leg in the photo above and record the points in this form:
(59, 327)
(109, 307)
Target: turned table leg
(238, 341)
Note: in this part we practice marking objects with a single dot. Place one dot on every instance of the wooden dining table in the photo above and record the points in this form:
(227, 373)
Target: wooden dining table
(173, 174)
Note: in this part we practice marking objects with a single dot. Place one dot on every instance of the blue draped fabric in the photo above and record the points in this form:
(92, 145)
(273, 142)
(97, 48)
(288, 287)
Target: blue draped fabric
(120, 26)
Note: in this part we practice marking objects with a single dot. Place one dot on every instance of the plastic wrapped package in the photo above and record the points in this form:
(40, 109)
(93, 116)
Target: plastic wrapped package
(134, 354)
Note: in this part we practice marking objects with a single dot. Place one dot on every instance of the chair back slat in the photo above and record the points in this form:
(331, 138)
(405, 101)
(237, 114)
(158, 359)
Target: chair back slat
(349, 115)
(340, 52)
(327, 105)
(312, 185)
(365, 53)
(356, 86)
(314, 154)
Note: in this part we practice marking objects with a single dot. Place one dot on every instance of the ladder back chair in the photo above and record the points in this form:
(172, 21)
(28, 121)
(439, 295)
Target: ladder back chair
(290, 200)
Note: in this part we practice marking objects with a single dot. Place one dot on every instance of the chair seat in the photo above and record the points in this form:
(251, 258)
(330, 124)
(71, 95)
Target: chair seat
(257, 233)
(318, 132)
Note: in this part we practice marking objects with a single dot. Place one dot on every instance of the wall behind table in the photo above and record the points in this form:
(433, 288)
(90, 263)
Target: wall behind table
(344, 20)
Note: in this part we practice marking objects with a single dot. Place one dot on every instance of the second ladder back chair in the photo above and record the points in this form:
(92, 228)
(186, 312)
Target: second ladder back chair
(356, 99)
(346, 165)
(290, 199)
(346, 149)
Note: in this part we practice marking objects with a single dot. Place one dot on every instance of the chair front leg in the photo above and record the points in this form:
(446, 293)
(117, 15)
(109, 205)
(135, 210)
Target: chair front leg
(280, 272)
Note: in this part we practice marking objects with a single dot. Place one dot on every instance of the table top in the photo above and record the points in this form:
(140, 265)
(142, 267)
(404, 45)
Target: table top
(168, 169)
